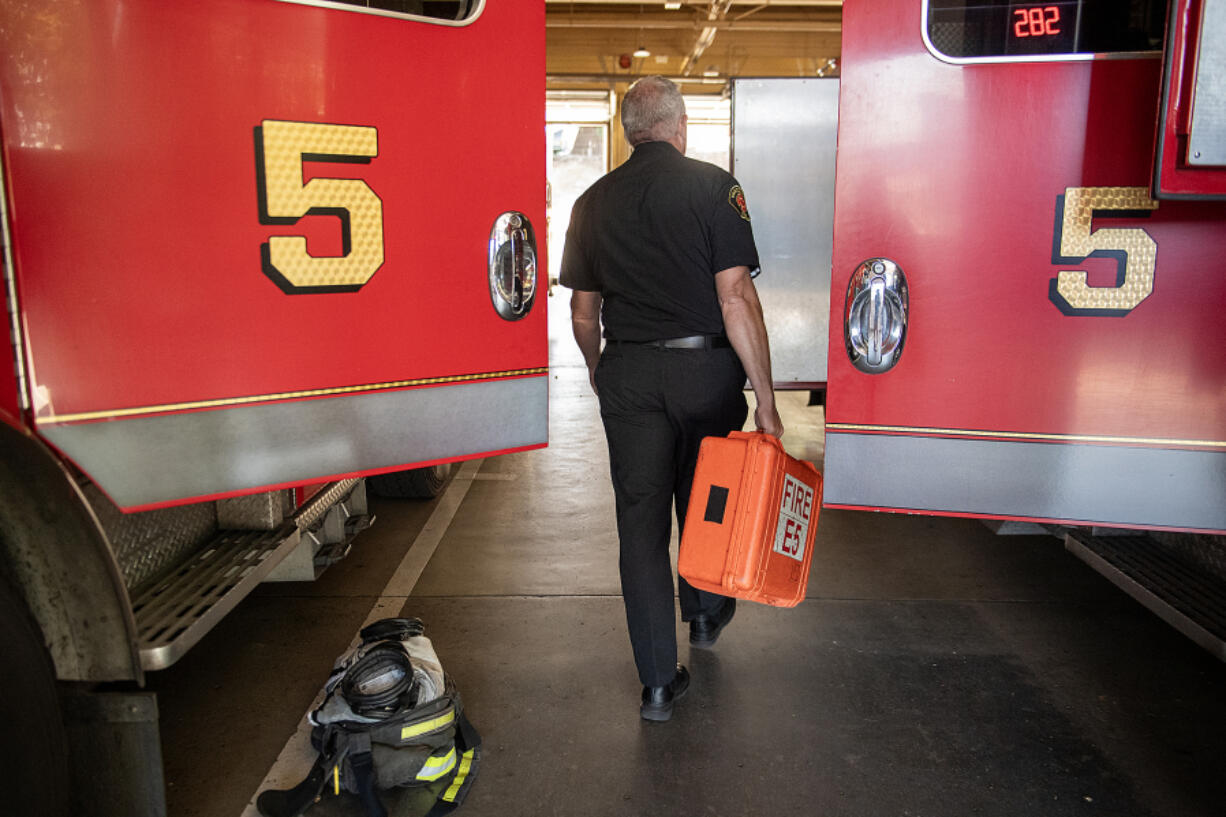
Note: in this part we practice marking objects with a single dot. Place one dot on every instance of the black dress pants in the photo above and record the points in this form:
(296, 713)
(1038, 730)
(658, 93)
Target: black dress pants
(657, 404)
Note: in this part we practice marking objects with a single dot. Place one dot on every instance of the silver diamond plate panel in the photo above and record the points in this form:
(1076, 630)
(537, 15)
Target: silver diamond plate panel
(264, 511)
(1207, 133)
(147, 543)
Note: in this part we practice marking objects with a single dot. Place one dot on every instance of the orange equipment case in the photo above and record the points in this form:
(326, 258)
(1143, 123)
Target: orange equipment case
(752, 517)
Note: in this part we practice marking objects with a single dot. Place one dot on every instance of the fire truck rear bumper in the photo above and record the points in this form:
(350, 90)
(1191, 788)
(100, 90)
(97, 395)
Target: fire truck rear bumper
(1117, 485)
(148, 461)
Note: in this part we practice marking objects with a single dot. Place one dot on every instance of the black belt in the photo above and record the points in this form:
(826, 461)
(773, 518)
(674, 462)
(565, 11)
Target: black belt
(691, 342)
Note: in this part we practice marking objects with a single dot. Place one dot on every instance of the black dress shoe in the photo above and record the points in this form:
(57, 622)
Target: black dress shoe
(705, 630)
(658, 701)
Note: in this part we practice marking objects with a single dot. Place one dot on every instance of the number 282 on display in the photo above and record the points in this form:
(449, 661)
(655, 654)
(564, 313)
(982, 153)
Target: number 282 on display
(1036, 21)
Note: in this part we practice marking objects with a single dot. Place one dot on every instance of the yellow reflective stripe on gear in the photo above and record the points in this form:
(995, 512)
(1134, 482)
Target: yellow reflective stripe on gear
(436, 767)
(429, 726)
(454, 788)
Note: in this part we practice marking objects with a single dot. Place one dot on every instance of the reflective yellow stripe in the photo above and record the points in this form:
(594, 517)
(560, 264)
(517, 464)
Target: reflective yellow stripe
(454, 788)
(1024, 435)
(230, 402)
(429, 726)
(436, 767)
(336, 779)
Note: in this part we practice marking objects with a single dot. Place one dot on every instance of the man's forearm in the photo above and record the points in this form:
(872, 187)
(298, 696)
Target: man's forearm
(746, 328)
(587, 336)
(585, 324)
(747, 333)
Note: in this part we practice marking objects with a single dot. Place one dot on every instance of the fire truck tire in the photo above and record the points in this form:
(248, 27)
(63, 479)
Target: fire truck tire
(35, 752)
(417, 483)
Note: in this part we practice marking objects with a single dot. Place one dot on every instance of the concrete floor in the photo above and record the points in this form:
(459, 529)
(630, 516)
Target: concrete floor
(934, 669)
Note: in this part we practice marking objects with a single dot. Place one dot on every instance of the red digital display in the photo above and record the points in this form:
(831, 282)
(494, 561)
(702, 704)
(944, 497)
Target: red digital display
(1047, 28)
(1036, 21)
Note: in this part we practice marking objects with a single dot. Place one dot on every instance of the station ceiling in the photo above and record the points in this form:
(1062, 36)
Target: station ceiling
(701, 43)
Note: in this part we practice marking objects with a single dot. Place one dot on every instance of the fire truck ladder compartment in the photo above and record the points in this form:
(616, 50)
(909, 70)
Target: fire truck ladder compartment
(1182, 593)
(175, 612)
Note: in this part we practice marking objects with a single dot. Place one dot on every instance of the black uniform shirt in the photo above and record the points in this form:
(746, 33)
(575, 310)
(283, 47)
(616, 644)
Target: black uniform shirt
(649, 237)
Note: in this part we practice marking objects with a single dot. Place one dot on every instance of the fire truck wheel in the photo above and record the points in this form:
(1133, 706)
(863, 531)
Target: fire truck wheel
(34, 753)
(418, 483)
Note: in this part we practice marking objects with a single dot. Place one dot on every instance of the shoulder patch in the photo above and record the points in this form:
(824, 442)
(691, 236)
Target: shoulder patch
(736, 198)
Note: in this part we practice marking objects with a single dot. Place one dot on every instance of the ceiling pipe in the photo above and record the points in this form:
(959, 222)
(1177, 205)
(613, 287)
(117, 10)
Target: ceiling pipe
(715, 14)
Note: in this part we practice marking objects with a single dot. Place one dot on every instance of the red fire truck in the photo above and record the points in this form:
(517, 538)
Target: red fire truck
(1027, 264)
(254, 251)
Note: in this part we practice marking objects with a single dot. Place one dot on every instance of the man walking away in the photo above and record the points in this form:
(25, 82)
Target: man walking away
(660, 251)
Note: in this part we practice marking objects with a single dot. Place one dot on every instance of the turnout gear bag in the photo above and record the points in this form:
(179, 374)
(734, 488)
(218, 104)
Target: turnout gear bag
(390, 717)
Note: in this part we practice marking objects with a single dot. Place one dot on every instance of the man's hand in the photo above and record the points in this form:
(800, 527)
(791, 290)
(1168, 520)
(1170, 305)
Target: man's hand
(768, 421)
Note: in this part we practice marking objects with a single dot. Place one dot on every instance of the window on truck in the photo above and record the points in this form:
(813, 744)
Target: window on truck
(451, 11)
(997, 30)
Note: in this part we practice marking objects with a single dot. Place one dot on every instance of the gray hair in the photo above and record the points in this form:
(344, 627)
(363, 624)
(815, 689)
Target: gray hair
(652, 110)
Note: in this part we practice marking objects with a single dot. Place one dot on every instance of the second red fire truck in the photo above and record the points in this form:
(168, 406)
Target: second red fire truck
(1029, 233)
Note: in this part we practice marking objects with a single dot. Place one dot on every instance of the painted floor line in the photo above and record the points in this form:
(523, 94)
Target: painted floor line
(297, 756)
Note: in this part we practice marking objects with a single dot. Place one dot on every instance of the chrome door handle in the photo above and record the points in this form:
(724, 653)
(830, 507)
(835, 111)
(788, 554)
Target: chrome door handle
(876, 314)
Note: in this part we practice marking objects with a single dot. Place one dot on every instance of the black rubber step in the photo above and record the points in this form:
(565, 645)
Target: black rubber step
(1183, 594)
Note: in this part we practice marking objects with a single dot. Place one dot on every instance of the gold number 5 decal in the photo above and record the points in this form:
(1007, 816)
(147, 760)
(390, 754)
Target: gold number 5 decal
(1134, 251)
(281, 149)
